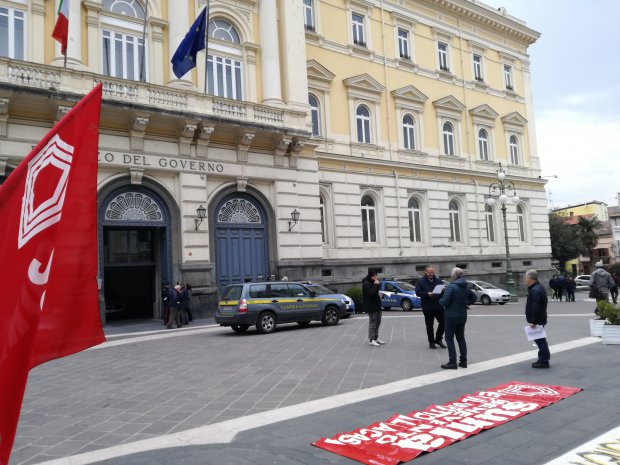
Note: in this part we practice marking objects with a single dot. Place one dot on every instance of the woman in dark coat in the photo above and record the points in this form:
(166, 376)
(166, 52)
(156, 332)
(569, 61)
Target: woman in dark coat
(455, 301)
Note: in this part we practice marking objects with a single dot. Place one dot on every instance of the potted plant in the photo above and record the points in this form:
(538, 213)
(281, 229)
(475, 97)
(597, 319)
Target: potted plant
(610, 331)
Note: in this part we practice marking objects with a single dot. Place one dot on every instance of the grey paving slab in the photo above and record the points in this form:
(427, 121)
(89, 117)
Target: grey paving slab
(127, 391)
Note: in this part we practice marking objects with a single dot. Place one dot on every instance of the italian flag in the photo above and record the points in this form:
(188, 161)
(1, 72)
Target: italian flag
(61, 30)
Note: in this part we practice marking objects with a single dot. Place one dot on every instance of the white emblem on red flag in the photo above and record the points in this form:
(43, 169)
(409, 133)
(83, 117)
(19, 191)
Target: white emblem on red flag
(52, 165)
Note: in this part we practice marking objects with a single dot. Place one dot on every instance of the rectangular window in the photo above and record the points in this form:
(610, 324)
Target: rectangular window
(521, 223)
(442, 50)
(455, 227)
(325, 272)
(308, 15)
(358, 30)
(415, 232)
(490, 228)
(224, 77)
(403, 44)
(122, 56)
(496, 265)
(478, 67)
(12, 33)
(508, 77)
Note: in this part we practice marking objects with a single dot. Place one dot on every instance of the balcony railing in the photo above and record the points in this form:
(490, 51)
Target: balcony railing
(37, 76)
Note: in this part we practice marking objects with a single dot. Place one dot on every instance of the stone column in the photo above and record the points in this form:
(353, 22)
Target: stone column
(270, 53)
(74, 41)
(294, 72)
(156, 51)
(36, 46)
(178, 25)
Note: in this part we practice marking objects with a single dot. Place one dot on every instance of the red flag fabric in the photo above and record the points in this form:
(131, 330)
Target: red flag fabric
(48, 245)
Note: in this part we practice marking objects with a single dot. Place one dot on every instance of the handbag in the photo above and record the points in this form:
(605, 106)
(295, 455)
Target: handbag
(594, 292)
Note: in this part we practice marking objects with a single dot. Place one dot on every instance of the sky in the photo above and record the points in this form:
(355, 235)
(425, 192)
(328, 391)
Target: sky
(576, 85)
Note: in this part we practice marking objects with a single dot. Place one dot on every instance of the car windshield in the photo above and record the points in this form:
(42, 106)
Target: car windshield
(231, 293)
(321, 290)
(405, 286)
(484, 285)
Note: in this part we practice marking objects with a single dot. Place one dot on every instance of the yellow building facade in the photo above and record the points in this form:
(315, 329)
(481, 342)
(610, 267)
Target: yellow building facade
(382, 124)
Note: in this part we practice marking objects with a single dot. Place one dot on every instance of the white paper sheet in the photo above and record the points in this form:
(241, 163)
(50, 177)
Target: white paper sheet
(535, 333)
(439, 288)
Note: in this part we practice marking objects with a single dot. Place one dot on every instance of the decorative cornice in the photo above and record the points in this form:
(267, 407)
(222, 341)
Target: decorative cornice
(449, 103)
(318, 72)
(364, 82)
(487, 17)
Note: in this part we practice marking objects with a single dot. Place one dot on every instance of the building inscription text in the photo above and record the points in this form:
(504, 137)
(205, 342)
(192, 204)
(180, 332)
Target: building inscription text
(159, 162)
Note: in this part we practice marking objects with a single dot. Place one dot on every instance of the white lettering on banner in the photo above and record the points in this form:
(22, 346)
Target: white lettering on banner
(158, 162)
(35, 275)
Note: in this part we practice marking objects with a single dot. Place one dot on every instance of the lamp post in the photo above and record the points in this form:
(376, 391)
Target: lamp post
(500, 189)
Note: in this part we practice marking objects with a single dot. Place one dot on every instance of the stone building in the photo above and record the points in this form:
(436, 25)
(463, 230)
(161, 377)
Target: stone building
(381, 124)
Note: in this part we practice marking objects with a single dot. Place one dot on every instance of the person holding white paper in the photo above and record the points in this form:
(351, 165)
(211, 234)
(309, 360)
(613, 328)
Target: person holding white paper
(536, 315)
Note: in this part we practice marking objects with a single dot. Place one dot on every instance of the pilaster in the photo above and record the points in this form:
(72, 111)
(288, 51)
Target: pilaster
(270, 53)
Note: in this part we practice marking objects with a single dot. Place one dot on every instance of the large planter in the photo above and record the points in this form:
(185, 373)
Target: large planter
(596, 327)
(611, 334)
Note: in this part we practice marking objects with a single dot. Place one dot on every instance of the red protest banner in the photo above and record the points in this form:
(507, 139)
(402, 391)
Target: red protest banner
(48, 243)
(402, 438)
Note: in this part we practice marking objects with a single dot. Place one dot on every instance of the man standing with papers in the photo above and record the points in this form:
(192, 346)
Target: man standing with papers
(428, 290)
(536, 315)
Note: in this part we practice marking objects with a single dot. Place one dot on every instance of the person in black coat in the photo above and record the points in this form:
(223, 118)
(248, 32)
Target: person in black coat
(430, 306)
(371, 301)
(536, 314)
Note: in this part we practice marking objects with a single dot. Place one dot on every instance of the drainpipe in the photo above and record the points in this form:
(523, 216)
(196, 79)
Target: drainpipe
(387, 87)
(481, 249)
(400, 230)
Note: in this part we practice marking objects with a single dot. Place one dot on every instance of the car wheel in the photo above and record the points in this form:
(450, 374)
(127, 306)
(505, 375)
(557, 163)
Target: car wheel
(266, 323)
(330, 316)
(502, 303)
(485, 300)
(406, 305)
(240, 328)
(303, 323)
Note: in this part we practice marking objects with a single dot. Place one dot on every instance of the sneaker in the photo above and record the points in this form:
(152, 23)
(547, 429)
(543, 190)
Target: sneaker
(374, 343)
(449, 366)
(541, 365)
(380, 341)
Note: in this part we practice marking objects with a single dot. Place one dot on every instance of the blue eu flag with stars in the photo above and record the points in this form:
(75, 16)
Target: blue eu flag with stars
(184, 58)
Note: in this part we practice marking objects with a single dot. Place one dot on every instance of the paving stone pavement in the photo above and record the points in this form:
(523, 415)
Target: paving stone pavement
(182, 379)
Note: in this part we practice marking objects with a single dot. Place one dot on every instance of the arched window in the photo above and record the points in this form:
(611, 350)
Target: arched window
(488, 216)
(315, 114)
(224, 68)
(483, 144)
(521, 223)
(415, 221)
(369, 219)
(408, 132)
(323, 228)
(132, 8)
(362, 117)
(514, 150)
(455, 221)
(123, 54)
(448, 138)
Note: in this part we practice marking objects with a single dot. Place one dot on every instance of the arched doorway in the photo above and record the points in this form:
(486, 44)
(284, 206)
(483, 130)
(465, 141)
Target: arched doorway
(241, 242)
(134, 252)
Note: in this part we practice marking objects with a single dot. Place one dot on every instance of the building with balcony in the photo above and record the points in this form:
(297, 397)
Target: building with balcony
(381, 124)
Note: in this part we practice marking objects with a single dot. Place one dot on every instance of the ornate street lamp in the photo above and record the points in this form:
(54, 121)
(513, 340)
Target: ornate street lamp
(295, 217)
(201, 212)
(504, 191)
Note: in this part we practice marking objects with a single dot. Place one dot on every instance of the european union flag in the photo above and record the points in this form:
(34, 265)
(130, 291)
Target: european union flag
(184, 58)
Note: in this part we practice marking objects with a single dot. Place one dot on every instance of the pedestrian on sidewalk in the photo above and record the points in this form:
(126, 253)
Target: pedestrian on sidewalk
(183, 304)
(174, 302)
(431, 308)
(570, 286)
(371, 301)
(601, 283)
(616, 288)
(456, 301)
(536, 314)
(553, 285)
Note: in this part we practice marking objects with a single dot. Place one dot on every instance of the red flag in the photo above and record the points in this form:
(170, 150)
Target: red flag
(48, 245)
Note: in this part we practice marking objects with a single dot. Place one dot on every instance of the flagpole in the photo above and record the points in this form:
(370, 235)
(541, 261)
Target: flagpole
(142, 65)
(65, 59)
(207, 46)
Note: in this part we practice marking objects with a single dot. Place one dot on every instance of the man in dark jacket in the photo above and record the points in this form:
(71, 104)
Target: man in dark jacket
(536, 314)
(372, 305)
(430, 306)
(456, 301)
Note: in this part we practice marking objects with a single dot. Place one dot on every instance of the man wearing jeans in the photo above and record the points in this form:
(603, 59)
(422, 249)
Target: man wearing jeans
(372, 306)
(536, 314)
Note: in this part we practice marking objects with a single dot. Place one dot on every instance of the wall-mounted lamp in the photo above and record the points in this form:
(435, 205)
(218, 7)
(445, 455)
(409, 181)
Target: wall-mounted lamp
(202, 213)
(295, 217)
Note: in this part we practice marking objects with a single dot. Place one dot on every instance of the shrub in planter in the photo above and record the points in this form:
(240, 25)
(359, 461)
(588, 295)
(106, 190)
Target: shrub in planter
(609, 312)
(356, 294)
